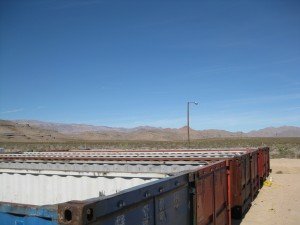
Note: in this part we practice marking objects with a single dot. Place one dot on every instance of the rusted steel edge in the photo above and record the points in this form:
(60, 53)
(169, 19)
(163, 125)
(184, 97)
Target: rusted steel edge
(229, 175)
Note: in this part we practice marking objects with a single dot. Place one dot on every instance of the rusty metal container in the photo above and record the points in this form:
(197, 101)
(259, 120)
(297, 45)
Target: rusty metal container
(263, 163)
(242, 164)
(183, 190)
(197, 197)
(157, 187)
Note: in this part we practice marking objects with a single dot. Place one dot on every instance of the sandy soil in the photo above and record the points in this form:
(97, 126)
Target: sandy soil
(280, 203)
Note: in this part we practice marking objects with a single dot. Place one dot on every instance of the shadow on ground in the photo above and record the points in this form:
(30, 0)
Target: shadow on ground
(236, 222)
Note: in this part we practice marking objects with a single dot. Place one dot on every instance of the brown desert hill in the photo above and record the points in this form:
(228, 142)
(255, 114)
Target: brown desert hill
(13, 131)
(67, 128)
(157, 134)
(284, 131)
(143, 134)
(30, 130)
(210, 133)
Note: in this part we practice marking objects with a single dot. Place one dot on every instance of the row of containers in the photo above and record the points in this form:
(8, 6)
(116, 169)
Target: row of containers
(114, 187)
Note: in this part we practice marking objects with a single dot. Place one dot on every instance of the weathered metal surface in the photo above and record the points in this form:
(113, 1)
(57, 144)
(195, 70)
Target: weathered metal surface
(161, 202)
(129, 153)
(255, 184)
(212, 195)
(12, 219)
(105, 158)
(115, 156)
(73, 181)
(204, 183)
(17, 214)
(203, 195)
(240, 184)
(242, 175)
(167, 202)
(50, 188)
(263, 163)
(268, 161)
(221, 195)
(105, 166)
(242, 181)
(165, 150)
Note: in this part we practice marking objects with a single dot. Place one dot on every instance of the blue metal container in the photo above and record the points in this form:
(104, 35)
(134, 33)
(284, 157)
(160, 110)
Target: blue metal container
(15, 214)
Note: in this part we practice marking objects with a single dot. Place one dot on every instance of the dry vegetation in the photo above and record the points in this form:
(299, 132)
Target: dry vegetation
(280, 147)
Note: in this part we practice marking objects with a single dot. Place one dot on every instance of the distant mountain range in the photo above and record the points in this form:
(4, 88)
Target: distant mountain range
(32, 130)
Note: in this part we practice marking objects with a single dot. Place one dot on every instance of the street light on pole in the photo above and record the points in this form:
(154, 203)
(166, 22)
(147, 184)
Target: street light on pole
(188, 120)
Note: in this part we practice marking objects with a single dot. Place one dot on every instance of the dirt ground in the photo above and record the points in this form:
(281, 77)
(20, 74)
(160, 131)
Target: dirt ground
(278, 204)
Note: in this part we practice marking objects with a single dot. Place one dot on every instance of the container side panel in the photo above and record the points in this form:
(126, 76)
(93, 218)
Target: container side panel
(163, 202)
(254, 175)
(261, 165)
(140, 214)
(243, 171)
(240, 182)
(173, 208)
(247, 177)
(53, 189)
(205, 199)
(268, 161)
(233, 180)
(220, 183)
(13, 219)
(248, 169)
(222, 218)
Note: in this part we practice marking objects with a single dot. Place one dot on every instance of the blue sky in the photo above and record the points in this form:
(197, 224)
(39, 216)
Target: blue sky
(131, 63)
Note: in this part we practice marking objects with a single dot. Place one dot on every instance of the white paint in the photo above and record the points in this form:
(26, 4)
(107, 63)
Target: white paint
(89, 174)
(43, 182)
(51, 188)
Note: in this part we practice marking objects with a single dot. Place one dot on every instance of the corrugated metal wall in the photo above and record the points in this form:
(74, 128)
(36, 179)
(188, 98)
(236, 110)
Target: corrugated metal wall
(41, 183)
(41, 189)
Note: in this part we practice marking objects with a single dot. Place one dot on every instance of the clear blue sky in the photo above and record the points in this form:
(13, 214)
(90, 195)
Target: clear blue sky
(131, 63)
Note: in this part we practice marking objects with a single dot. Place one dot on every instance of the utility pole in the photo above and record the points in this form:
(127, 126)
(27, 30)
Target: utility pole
(188, 121)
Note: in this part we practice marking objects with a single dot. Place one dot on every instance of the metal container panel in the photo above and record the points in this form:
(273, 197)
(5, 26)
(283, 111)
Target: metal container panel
(11, 219)
(240, 186)
(255, 184)
(105, 167)
(68, 181)
(16, 214)
(166, 202)
(242, 175)
(212, 195)
(262, 167)
(204, 199)
(93, 156)
(268, 168)
(221, 195)
(248, 183)
(50, 188)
